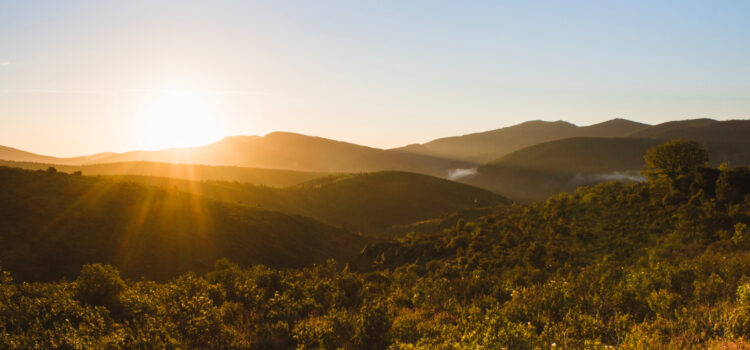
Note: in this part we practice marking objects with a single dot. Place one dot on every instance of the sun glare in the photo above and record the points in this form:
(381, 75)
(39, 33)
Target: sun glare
(178, 117)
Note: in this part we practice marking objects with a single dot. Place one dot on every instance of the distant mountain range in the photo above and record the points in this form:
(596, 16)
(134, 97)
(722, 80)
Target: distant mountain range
(509, 161)
(278, 150)
(488, 146)
(17, 155)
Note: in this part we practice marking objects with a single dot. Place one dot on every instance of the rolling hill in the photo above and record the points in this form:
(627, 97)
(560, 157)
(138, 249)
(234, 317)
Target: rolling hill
(17, 155)
(282, 150)
(527, 161)
(728, 139)
(582, 155)
(51, 223)
(545, 169)
(487, 146)
(257, 176)
(370, 203)
(277, 150)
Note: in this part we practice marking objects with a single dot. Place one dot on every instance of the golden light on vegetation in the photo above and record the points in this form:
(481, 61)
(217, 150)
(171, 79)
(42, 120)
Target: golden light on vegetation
(178, 117)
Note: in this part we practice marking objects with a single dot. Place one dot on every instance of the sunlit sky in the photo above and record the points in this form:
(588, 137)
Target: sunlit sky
(81, 77)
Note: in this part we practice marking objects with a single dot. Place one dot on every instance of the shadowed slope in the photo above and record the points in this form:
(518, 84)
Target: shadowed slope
(370, 203)
(52, 223)
(548, 168)
(582, 155)
(728, 141)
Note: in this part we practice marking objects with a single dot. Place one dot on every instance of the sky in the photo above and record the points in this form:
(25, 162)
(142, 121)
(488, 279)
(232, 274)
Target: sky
(82, 77)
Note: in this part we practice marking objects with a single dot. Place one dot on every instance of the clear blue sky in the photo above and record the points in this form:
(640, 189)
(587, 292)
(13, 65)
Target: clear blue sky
(74, 75)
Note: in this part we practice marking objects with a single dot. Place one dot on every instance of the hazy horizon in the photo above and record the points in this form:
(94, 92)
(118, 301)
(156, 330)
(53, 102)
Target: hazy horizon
(287, 131)
(82, 77)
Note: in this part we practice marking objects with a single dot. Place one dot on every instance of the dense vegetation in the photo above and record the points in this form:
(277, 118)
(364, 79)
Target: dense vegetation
(662, 264)
(51, 223)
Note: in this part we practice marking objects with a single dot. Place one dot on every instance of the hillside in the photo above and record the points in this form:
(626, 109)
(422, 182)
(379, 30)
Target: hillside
(539, 171)
(52, 223)
(727, 140)
(520, 184)
(193, 172)
(582, 155)
(699, 130)
(487, 146)
(370, 203)
(282, 150)
(17, 155)
(545, 169)
(615, 266)
(377, 201)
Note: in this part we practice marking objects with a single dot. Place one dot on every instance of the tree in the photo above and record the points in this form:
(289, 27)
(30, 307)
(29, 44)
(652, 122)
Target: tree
(673, 160)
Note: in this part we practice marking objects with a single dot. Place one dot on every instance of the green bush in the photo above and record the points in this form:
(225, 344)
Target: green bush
(99, 285)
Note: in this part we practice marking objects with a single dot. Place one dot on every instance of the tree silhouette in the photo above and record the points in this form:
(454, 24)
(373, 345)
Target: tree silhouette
(674, 159)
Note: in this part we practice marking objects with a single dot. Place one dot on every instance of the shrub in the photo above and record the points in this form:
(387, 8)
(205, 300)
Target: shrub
(99, 285)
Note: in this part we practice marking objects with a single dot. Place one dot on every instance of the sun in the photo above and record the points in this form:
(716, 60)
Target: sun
(178, 117)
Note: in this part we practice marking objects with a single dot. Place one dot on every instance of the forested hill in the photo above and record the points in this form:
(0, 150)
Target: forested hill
(52, 223)
(656, 265)
(370, 203)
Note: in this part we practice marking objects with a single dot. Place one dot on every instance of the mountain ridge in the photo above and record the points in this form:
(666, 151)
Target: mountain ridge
(482, 147)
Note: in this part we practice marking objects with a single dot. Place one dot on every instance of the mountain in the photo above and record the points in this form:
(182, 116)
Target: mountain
(277, 150)
(283, 150)
(17, 155)
(257, 176)
(728, 138)
(728, 141)
(370, 203)
(51, 223)
(725, 141)
(698, 129)
(487, 146)
(617, 127)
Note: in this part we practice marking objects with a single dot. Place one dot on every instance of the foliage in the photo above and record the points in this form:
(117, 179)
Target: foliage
(99, 285)
(673, 159)
(609, 266)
